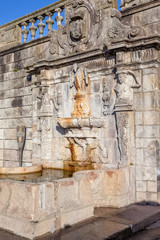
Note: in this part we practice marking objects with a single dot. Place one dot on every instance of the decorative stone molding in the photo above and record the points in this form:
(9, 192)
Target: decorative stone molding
(132, 3)
(81, 122)
(122, 119)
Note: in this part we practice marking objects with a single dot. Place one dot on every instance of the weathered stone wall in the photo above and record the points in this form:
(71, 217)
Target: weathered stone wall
(15, 104)
(147, 114)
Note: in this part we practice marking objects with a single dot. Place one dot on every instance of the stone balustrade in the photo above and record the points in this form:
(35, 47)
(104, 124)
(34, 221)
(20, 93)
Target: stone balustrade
(40, 23)
(32, 26)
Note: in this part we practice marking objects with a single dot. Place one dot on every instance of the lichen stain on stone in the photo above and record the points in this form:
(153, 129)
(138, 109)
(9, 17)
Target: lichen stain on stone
(17, 102)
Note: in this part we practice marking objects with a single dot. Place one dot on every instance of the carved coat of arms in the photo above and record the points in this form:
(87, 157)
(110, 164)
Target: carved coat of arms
(76, 29)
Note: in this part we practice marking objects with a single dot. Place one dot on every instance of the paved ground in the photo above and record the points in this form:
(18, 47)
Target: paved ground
(143, 235)
(150, 233)
(109, 224)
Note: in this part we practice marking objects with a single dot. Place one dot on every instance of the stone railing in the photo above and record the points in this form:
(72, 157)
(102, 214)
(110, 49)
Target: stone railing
(32, 26)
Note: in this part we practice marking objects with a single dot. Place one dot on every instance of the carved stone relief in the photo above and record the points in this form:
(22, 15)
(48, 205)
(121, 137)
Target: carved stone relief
(57, 99)
(122, 134)
(102, 153)
(119, 31)
(108, 97)
(124, 88)
(46, 104)
(78, 34)
(81, 149)
(81, 82)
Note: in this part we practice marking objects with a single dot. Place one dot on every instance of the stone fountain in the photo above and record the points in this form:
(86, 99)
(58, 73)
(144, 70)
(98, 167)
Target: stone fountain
(87, 97)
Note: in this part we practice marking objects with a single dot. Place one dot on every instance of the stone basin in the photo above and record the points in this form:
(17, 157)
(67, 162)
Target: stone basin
(20, 170)
(33, 209)
(81, 122)
(45, 175)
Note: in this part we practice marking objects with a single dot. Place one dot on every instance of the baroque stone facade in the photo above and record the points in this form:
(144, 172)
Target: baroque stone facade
(88, 94)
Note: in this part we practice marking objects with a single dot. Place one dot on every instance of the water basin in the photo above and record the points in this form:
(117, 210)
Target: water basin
(47, 175)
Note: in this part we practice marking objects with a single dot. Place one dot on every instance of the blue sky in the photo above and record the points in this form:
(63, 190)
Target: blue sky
(12, 9)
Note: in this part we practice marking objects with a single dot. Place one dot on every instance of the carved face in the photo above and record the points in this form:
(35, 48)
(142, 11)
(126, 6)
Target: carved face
(121, 77)
(76, 29)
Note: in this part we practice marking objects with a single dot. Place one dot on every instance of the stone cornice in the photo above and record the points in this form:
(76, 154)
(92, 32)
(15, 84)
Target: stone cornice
(139, 8)
(138, 43)
(67, 60)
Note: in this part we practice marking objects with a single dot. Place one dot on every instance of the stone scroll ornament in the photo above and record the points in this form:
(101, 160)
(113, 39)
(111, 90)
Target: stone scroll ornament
(118, 31)
(21, 138)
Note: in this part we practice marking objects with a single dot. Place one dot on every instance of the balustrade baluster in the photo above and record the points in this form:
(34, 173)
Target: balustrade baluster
(49, 21)
(41, 26)
(33, 29)
(59, 18)
(24, 31)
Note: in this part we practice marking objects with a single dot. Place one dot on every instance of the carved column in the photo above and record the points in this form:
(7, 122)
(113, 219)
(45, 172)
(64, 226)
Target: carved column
(25, 31)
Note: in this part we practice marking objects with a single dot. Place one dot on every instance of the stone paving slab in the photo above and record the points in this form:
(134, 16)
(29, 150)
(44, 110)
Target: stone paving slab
(107, 224)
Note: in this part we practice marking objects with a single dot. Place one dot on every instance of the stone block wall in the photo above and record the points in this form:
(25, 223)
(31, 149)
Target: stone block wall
(15, 104)
(145, 64)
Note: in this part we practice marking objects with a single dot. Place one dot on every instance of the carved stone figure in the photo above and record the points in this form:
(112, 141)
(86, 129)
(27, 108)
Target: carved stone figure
(124, 88)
